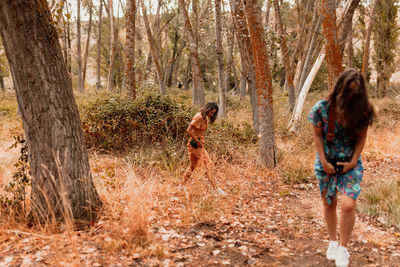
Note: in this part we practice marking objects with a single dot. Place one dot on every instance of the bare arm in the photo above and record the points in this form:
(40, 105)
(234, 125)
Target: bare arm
(319, 144)
(190, 131)
(360, 143)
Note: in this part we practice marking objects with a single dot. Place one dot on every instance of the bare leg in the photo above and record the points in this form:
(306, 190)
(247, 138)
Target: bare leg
(330, 216)
(207, 164)
(347, 219)
(194, 157)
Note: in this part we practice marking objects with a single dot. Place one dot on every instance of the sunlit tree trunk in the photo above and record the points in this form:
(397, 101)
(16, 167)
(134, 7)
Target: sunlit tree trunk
(346, 27)
(130, 47)
(267, 147)
(220, 58)
(332, 45)
(62, 187)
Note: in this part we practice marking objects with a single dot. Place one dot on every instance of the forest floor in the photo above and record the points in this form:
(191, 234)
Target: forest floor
(150, 220)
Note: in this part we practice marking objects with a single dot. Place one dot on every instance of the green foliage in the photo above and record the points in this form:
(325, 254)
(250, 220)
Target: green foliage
(224, 138)
(15, 192)
(117, 123)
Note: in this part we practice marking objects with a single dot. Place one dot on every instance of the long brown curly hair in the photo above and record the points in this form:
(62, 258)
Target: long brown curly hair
(354, 111)
(207, 108)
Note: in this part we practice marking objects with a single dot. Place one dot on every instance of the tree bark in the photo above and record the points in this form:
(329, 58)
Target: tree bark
(110, 79)
(220, 58)
(346, 27)
(153, 49)
(367, 41)
(332, 45)
(286, 58)
(130, 47)
(78, 46)
(246, 55)
(87, 42)
(197, 75)
(62, 187)
(267, 147)
(98, 59)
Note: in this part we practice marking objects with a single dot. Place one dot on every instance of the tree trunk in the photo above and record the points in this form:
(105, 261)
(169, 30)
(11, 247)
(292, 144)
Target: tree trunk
(332, 46)
(246, 55)
(367, 41)
(267, 12)
(346, 27)
(220, 58)
(175, 67)
(309, 56)
(154, 54)
(130, 47)
(197, 75)
(110, 79)
(87, 42)
(229, 68)
(295, 118)
(267, 147)
(78, 46)
(62, 187)
(98, 67)
(286, 58)
(243, 81)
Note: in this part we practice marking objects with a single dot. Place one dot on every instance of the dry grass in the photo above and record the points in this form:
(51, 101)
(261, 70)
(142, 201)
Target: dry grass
(143, 200)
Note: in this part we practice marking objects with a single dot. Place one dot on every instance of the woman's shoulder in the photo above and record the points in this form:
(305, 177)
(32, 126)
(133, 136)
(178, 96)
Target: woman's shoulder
(321, 104)
(197, 116)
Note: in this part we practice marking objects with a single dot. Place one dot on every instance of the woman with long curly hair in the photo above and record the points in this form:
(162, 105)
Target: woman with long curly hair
(340, 131)
(197, 154)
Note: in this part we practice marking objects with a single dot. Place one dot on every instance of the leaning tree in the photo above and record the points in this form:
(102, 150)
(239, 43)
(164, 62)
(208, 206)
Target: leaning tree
(62, 186)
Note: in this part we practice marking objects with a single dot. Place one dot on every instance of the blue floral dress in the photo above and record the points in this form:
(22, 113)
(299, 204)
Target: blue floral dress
(347, 183)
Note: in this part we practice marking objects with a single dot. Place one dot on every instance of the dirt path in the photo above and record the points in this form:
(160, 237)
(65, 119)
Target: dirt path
(271, 224)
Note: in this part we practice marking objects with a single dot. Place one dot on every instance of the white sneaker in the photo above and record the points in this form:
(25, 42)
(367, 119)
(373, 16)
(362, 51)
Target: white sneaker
(332, 250)
(342, 259)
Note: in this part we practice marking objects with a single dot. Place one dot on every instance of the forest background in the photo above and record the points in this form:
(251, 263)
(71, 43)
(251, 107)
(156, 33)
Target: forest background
(135, 132)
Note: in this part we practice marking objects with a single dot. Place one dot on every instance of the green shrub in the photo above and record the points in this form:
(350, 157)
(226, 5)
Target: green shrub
(118, 123)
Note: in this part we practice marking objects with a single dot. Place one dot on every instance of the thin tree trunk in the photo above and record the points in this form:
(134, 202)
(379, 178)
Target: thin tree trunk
(243, 81)
(78, 46)
(98, 81)
(220, 59)
(267, 147)
(130, 81)
(110, 79)
(346, 26)
(246, 55)
(367, 41)
(286, 58)
(267, 13)
(198, 82)
(295, 118)
(153, 50)
(62, 186)
(308, 58)
(87, 42)
(229, 68)
(176, 66)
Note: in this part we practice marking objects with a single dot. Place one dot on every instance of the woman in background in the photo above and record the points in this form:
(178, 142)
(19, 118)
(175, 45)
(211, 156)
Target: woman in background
(197, 154)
